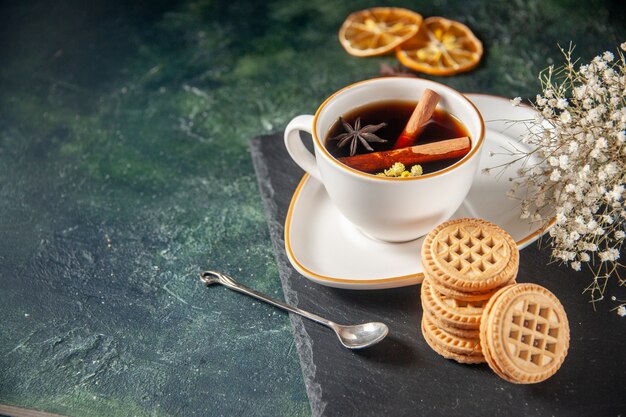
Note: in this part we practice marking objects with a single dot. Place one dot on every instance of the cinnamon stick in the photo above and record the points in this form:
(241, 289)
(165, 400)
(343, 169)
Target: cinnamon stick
(423, 112)
(418, 154)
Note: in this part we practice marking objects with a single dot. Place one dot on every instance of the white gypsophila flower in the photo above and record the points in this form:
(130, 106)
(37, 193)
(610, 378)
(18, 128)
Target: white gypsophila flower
(594, 114)
(611, 169)
(547, 112)
(621, 311)
(525, 214)
(562, 103)
(540, 201)
(617, 192)
(596, 153)
(608, 255)
(516, 101)
(576, 171)
(540, 100)
(579, 92)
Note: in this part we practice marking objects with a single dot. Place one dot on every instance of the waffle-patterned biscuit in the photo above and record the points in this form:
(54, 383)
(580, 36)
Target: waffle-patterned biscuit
(451, 347)
(468, 296)
(524, 333)
(455, 331)
(453, 312)
(470, 255)
(483, 324)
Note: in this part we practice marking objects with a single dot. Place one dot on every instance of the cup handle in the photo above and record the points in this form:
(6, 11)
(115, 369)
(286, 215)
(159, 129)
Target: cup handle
(298, 152)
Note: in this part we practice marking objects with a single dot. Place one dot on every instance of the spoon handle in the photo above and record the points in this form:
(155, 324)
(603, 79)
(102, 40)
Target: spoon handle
(212, 277)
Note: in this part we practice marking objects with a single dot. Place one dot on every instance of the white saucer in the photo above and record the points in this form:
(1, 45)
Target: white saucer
(326, 248)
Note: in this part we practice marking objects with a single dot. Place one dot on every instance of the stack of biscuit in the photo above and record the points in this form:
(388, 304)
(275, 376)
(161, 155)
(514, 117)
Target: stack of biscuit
(475, 312)
(465, 262)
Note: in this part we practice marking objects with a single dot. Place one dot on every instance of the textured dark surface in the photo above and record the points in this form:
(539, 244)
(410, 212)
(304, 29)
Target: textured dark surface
(402, 376)
(124, 170)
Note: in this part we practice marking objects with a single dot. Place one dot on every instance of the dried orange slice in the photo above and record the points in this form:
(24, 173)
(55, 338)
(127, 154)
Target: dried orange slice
(378, 30)
(441, 47)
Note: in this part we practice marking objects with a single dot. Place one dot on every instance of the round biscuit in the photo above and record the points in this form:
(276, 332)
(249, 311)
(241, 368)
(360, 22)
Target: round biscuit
(466, 333)
(455, 313)
(466, 359)
(450, 342)
(486, 339)
(470, 255)
(469, 296)
(525, 333)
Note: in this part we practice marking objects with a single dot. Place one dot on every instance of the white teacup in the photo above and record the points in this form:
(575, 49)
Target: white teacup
(389, 209)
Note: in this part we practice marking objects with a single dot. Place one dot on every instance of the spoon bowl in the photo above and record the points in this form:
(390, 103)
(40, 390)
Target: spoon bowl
(359, 336)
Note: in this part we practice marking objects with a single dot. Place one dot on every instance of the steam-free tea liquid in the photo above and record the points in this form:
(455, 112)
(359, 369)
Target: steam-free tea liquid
(396, 114)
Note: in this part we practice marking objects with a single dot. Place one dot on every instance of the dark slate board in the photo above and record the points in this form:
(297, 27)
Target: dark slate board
(402, 376)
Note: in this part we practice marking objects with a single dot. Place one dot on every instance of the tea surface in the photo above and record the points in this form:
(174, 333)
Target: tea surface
(396, 114)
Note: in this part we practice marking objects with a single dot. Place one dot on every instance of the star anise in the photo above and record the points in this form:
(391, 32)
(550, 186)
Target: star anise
(356, 134)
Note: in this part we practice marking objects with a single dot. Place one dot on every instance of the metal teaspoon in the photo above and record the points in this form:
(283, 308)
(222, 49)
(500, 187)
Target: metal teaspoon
(353, 337)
